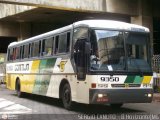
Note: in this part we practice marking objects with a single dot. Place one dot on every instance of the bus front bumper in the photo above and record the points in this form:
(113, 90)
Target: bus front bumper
(111, 96)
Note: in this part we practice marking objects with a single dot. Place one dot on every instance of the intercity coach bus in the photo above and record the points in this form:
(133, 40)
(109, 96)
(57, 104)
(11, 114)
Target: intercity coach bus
(90, 62)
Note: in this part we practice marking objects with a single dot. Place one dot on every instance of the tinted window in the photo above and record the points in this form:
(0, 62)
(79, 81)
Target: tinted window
(26, 51)
(62, 43)
(68, 41)
(17, 50)
(48, 46)
(35, 49)
(10, 54)
(56, 44)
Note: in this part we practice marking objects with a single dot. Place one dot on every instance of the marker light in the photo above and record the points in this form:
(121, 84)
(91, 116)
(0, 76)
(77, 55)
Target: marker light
(93, 85)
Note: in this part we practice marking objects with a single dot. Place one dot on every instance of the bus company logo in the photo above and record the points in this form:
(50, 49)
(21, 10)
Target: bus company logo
(62, 65)
(109, 79)
(22, 67)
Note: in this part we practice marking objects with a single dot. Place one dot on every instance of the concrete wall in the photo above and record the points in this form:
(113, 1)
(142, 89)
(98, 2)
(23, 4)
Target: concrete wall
(156, 8)
(140, 11)
(129, 7)
(89, 5)
(15, 29)
(24, 30)
(145, 16)
(112, 6)
(9, 29)
(11, 9)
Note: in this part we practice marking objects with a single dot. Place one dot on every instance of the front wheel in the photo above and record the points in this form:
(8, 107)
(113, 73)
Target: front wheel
(66, 97)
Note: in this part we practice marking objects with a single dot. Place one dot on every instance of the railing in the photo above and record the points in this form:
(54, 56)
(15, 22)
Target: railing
(156, 69)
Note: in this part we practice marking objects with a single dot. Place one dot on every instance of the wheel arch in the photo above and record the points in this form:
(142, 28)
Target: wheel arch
(17, 80)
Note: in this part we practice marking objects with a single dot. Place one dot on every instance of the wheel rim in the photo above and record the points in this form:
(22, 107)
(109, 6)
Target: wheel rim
(67, 96)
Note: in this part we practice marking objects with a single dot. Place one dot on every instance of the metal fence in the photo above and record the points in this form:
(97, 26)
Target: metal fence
(2, 72)
(156, 63)
(156, 69)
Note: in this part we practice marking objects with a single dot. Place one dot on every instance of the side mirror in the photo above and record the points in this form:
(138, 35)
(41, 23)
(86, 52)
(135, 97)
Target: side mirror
(82, 49)
(87, 47)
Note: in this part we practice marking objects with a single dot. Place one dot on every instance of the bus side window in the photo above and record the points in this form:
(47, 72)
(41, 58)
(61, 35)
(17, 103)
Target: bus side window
(62, 43)
(26, 51)
(56, 44)
(17, 53)
(8, 55)
(53, 46)
(14, 53)
(10, 52)
(47, 46)
(36, 49)
(68, 41)
(22, 52)
(31, 49)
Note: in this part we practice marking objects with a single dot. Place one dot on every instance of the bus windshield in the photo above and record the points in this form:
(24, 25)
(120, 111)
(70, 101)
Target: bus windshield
(119, 51)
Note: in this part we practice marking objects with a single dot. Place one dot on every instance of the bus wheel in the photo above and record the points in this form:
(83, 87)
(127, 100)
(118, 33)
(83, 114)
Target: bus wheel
(66, 97)
(118, 105)
(18, 89)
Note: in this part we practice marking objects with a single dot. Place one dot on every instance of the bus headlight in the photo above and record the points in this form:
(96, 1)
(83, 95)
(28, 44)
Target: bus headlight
(149, 95)
(100, 95)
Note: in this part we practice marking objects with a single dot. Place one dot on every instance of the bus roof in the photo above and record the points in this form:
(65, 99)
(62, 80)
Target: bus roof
(111, 24)
(103, 24)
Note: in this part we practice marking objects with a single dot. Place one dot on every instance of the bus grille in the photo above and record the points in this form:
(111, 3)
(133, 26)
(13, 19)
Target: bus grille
(125, 85)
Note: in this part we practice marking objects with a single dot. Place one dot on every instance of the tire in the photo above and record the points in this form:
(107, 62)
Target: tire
(18, 90)
(66, 97)
(117, 105)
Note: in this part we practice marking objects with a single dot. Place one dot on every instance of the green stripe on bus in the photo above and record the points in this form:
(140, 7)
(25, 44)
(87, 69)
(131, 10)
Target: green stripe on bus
(138, 80)
(42, 66)
(130, 79)
(42, 81)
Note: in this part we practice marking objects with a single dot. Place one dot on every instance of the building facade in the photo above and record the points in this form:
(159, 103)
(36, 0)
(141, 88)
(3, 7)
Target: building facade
(21, 19)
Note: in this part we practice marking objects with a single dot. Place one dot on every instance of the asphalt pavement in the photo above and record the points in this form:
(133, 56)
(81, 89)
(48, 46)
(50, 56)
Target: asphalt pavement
(34, 107)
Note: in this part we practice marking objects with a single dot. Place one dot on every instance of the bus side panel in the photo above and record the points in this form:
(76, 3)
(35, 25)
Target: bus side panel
(83, 87)
(10, 79)
(27, 83)
(28, 80)
(42, 80)
(62, 70)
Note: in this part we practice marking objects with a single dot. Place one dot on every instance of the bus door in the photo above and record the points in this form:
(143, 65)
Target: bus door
(81, 52)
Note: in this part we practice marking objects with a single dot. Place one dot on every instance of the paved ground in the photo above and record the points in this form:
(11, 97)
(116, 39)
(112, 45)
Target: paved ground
(156, 97)
(34, 107)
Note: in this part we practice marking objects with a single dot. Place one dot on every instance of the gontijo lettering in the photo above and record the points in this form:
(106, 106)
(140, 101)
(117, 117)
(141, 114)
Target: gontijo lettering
(22, 67)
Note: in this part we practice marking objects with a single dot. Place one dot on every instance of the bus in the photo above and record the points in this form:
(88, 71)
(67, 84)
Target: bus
(89, 62)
